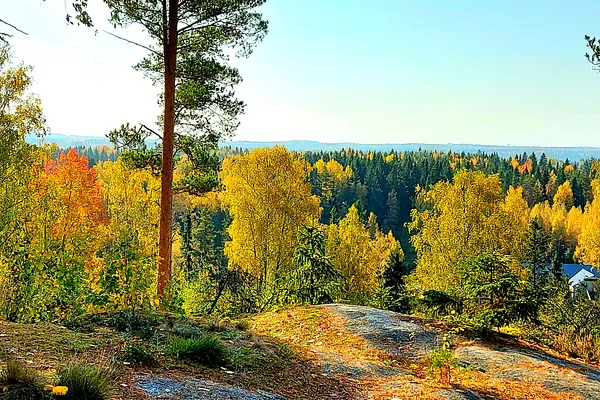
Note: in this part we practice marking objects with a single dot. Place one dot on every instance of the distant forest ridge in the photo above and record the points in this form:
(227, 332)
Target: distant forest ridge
(558, 153)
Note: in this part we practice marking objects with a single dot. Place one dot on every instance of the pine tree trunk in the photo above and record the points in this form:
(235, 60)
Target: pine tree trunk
(166, 198)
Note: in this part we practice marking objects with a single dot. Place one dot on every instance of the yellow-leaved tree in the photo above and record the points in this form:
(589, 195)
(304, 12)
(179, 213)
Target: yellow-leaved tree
(358, 257)
(269, 198)
(564, 195)
(588, 248)
(458, 220)
(562, 219)
(517, 222)
(330, 176)
(125, 273)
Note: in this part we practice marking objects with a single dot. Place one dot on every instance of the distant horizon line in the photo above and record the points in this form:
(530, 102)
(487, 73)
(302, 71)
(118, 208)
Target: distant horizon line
(91, 137)
(417, 143)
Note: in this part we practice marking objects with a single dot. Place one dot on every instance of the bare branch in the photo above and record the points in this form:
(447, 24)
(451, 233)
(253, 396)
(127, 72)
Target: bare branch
(3, 37)
(12, 26)
(132, 42)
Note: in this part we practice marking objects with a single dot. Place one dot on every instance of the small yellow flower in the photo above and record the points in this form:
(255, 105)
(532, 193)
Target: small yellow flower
(60, 390)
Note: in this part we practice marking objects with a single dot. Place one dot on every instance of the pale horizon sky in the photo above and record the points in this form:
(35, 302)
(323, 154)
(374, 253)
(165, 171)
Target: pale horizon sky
(384, 71)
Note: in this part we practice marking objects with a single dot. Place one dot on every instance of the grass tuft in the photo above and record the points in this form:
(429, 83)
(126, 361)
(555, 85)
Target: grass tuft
(208, 350)
(19, 382)
(86, 382)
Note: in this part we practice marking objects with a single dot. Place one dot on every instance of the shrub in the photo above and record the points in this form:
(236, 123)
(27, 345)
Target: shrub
(86, 382)
(495, 295)
(19, 382)
(239, 359)
(208, 350)
(137, 354)
(231, 334)
(139, 323)
(242, 324)
(384, 299)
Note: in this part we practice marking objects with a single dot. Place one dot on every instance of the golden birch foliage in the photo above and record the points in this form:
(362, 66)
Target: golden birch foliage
(331, 176)
(455, 221)
(372, 225)
(543, 212)
(20, 114)
(517, 212)
(564, 195)
(564, 225)
(132, 202)
(588, 248)
(269, 197)
(125, 272)
(359, 258)
(385, 244)
(596, 185)
(20, 110)
(320, 166)
(573, 224)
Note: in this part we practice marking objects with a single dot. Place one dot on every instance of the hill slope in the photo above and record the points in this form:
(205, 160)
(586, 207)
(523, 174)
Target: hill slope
(311, 352)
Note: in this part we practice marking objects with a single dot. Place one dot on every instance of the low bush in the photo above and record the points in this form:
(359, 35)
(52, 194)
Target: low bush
(242, 324)
(137, 354)
(208, 350)
(139, 323)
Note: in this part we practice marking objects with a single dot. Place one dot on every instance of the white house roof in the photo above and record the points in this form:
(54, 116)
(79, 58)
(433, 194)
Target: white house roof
(580, 276)
(571, 270)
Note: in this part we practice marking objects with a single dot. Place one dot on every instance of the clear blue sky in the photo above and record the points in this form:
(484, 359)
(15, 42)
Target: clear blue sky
(378, 71)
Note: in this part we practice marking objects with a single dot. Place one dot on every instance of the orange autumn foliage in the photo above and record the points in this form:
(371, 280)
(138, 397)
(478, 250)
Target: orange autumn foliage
(70, 197)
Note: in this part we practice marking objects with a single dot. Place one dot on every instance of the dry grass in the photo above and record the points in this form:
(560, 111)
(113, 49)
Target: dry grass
(47, 346)
(309, 329)
(573, 344)
(509, 390)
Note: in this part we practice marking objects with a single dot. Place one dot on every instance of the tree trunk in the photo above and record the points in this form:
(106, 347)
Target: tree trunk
(166, 198)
